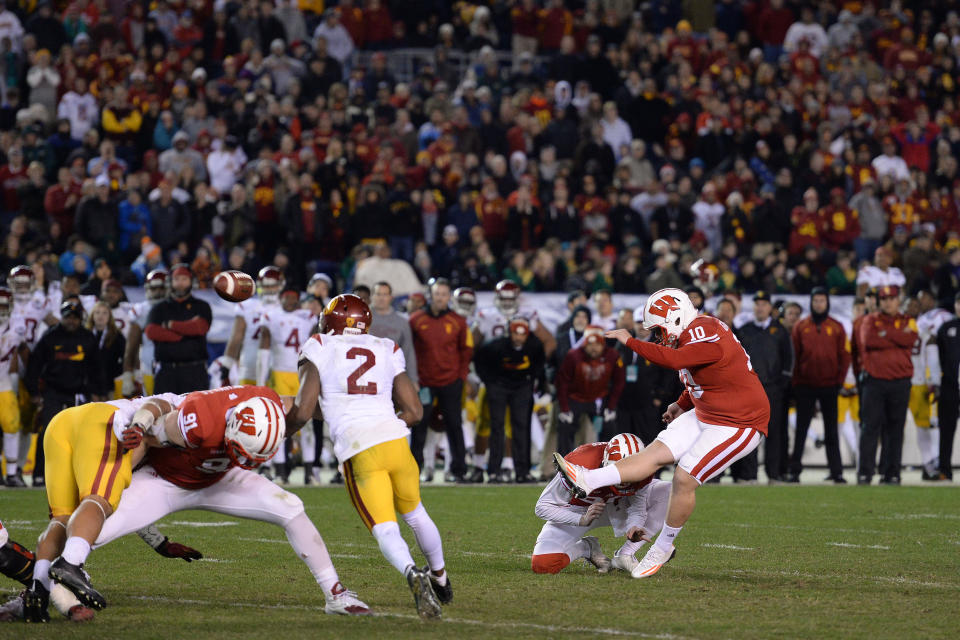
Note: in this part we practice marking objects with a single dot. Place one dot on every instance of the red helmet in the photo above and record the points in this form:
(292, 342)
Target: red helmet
(21, 281)
(270, 282)
(156, 284)
(464, 301)
(620, 446)
(6, 304)
(181, 269)
(506, 297)
(346, 313)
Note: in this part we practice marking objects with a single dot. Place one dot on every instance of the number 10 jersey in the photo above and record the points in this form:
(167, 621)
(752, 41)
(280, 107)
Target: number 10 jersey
(356, 389)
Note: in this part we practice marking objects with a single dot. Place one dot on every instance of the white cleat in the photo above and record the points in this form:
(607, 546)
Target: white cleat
(596, 557)
(345, 603)
(626, 562)
(653, 561)
(574, 474)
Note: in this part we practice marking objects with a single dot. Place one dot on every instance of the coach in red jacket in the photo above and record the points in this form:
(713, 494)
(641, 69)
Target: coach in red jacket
(444, 347)
(589, 383)
(821, 359)
(886, 339)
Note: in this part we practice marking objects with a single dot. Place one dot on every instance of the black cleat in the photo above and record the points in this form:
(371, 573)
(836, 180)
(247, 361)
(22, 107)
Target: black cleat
(444, 592)
(428, 605)
(891, 480)
(38, 481)
(15, 481)
(337, 478)
(36, 603)
(864, 480)
(475, 476)
(73, 578)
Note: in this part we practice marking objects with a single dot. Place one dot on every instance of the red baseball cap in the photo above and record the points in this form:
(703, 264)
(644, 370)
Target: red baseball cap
(888, 291)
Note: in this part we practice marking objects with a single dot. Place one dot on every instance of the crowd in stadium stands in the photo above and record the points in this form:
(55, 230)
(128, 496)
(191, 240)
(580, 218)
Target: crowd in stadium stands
(617, 145)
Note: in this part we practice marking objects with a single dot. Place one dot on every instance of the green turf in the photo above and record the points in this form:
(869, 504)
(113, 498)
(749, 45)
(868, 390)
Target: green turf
(776, 571)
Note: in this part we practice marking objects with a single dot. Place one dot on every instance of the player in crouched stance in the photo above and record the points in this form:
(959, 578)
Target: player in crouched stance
(731, 414)
(635, 511)
(357, 378)
(202, 455)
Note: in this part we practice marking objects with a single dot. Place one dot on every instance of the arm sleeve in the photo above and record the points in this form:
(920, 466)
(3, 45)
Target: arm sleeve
(637, 510)
(870, 338)
(690, 355)
(563, 379)
(685, 402)
(196, 326)
(552, 506)
(905, 337)
(933, 363)
(617, 381)
(157, 333)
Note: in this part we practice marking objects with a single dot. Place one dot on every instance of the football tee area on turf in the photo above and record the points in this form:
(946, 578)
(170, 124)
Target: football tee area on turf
(753, 562)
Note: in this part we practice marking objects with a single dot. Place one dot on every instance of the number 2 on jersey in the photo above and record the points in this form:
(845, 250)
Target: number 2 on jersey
(353, 385)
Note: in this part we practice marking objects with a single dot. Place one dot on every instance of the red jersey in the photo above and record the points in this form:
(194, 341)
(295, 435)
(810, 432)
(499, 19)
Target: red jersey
(887, 342)
(584, 379)
(721, 383)
(590, 456)
(203, 419)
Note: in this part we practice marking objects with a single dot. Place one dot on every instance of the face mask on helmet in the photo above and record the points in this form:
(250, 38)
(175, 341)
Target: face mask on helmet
(507, 303)
(621, 446)
(464, 303)
(21, 281)
(270, 283)
(254, 432)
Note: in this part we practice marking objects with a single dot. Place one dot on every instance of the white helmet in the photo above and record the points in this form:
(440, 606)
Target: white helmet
(671, 311)
(620, 446)
(254, 433)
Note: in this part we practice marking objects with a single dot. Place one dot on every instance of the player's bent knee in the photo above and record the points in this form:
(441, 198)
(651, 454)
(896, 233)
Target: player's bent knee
(289, 506)
(549, 562)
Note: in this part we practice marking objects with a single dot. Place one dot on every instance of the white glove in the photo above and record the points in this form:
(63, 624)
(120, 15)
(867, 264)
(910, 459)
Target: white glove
(609, 415)
(220, 370)
(543, 399)
(127, 387)
(263, 366)
(566, 417)
(594, 511)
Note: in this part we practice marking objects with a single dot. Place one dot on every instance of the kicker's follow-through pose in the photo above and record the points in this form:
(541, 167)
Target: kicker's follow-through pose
(731, 413)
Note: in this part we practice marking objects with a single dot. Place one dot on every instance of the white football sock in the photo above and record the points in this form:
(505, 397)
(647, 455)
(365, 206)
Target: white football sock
(41, 572)
(667, 535)
(849, 432)
(602, 477)
(430, 450)
(480, 460)
(928, 441)
(427, 535)
(11, 451)
(309, 547)
(24, 449)
(308, 441)
(629, 548)
(392, 545)
(506, 464)
(76, 550)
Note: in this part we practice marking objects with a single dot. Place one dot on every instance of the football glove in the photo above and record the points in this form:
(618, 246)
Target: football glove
(609, 415)
(127, 387)
(566, 417)
(132, 437)
(176, 550)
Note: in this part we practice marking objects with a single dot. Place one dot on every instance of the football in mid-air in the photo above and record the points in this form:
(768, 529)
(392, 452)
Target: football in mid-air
(233, 286)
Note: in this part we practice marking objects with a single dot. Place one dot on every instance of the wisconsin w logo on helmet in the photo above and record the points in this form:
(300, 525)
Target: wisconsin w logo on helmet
(664, 306)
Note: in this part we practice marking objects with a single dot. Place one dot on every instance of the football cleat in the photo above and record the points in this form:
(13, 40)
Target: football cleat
(75, 579)
(428, 605)
(12, 610)
(653, 561)
(345, 603)
(596, 557)
(15, 481)
(36, 603)
(444, 592)
(574, 475)
(626, 562)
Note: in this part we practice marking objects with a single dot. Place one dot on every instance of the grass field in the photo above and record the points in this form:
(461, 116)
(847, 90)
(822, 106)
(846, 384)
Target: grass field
(754, 562)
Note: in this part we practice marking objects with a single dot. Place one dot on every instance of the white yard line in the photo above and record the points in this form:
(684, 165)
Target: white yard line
(733, 547)
(920, 516)
(409, 616)
(217, 560)
(825, 576)
(848, 545)
(190, 523)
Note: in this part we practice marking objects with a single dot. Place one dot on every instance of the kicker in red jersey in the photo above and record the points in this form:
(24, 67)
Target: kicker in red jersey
(720, 382)
(203, 418)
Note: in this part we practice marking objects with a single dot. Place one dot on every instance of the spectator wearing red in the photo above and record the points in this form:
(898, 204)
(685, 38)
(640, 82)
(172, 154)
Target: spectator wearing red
(771, 28)
(555, 22)
(806, 224)
(12, 175)
(887, 338)
(915, 139)
(589, 383)
(821, 360)
(840, 225)
(525, 19)
(492, 212)
(378, 25)
(905, 53)
(61, 200)
(686, 46)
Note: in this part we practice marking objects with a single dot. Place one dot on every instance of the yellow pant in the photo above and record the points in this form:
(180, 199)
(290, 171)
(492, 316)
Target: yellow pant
(382, 480)
(84, 458)
(247, 381)
(920, 405)
(849, 404)
(28, 410)
(9, 412)
(285, 383)
(147, 385)
(483, 419)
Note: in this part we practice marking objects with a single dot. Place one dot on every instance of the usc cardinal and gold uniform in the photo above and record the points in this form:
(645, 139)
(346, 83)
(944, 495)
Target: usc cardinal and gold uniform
(288, 331)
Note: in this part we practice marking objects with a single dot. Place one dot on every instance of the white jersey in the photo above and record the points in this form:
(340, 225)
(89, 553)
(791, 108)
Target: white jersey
(126, 408)
(9, 341)
(141, 311)
(124, 316)
(356, 389)
(251, 311)
(876, 277)
(288, 331)
(928, 324)
(491, 323)
(27, 318)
